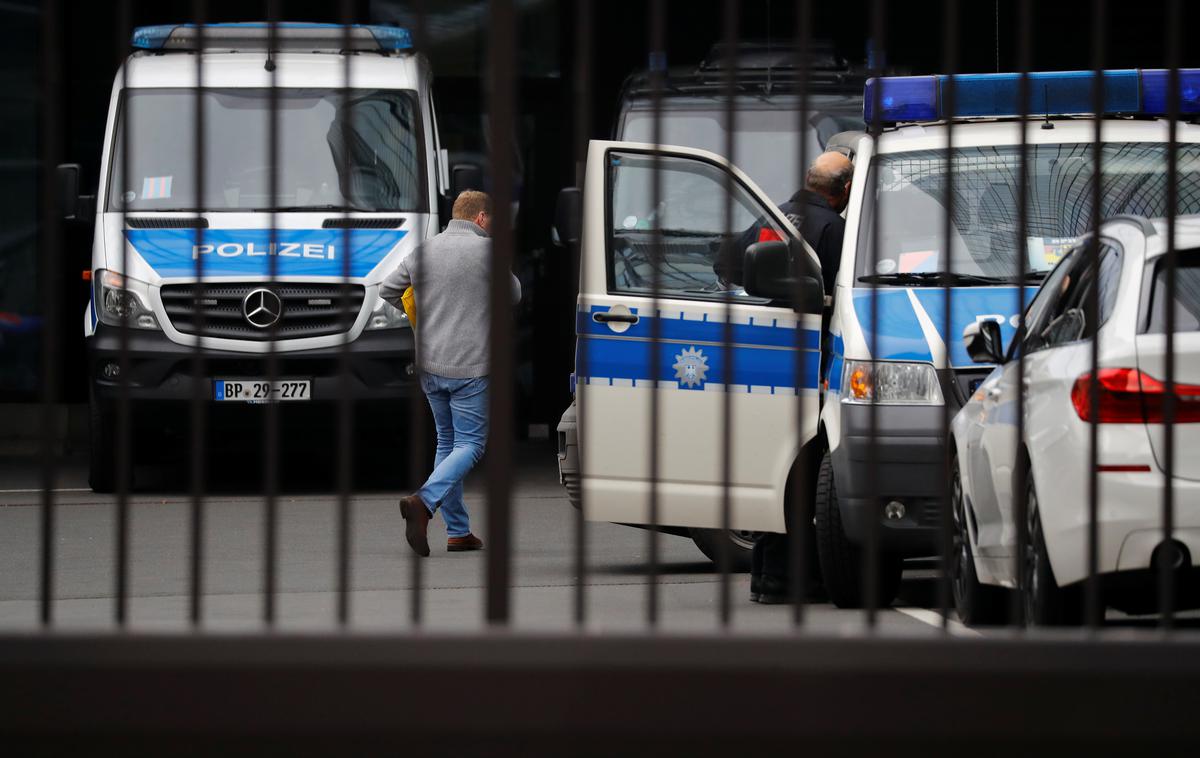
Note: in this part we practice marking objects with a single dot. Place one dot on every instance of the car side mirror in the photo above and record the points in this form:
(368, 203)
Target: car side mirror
(984, 342)
(568, 216)
(463, 177)
(72, 205)
(769, 273)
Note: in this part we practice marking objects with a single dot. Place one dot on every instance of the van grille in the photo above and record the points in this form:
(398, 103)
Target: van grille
(309, 310)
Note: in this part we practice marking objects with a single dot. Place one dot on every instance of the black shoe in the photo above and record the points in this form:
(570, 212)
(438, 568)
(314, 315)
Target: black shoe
(773, 591)
(755, 588)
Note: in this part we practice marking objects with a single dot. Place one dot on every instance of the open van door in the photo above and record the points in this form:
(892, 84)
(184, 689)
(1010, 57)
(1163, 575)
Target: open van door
(695, 368)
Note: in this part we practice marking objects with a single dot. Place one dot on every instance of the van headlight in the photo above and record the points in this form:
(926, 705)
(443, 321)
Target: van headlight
(386, 316)
(890, 383)
(120, 299)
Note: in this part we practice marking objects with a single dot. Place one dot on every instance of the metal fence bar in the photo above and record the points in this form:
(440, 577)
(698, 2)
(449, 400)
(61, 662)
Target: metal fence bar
(124, 456)
(272, 441)
(1020, 474)
(502, 74)
(724, 559)
(872, 561)
(799, 498)
(419, 431)
(583, 118)
(198, 458)
(658, 74)
(1166, 572)
(1093, 609)
(50, 258)
(346, 409)
(945, 595)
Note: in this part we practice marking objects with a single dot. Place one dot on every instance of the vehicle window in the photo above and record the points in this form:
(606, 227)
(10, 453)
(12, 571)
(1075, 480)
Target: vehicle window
(1046, 299)
(362, 152)
(765, 144)
(911, 198)
(1066, 320)
(691, 217)
(1187, 296)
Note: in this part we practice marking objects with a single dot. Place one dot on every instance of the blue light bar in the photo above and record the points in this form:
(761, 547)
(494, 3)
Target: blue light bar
(288, 34)
(1156, 83)
(1051, 93)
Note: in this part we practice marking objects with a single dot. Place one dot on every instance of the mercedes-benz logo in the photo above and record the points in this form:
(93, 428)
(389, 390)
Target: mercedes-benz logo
(262, 308)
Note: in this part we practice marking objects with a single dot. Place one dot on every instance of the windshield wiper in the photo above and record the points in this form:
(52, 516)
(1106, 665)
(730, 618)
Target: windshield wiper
(941, 278)
(328, 207)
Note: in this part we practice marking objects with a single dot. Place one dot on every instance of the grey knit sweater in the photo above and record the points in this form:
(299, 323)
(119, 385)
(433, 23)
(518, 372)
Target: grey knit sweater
(451, 279)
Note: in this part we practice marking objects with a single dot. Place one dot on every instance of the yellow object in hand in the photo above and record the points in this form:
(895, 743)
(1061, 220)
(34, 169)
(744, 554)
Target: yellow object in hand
(409, 300)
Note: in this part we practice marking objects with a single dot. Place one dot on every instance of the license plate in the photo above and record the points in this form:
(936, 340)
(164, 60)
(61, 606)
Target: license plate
(261, 391)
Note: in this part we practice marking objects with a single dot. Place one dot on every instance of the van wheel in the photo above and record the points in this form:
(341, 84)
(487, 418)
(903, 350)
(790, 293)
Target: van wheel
(741, 546)
(841, 560)
(102, 458)
(977, 604)
(1046, 604)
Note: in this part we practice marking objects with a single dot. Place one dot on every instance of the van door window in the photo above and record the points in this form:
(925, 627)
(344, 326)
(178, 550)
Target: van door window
(699, 257)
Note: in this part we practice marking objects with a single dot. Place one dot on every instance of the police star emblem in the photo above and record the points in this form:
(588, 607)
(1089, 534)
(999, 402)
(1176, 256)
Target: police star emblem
(691, 365)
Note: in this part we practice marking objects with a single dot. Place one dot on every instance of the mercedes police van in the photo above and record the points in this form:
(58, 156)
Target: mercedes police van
(355, 182)
(886, 342)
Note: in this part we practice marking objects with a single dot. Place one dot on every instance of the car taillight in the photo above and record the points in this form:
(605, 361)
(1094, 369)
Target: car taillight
(1129, 396)
(767, 234)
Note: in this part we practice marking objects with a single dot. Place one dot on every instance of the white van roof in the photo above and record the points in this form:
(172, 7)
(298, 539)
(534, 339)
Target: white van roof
(315, 70)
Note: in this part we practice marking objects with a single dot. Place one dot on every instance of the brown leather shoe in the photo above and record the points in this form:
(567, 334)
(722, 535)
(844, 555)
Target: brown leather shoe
(416, 524)
(459, 544)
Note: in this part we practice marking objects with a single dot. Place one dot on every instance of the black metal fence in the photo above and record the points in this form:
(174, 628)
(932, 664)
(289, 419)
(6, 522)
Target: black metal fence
(639, 693)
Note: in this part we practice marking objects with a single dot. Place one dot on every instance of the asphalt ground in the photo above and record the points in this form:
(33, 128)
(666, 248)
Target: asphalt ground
(451, 596)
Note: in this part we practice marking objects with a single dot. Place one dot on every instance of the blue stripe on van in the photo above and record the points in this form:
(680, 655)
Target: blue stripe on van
(248, 252)
(898, 332)
(1000, 304)
(754, 359)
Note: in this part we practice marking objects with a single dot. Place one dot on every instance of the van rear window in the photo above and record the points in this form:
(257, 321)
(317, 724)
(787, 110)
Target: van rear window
(1187, 296)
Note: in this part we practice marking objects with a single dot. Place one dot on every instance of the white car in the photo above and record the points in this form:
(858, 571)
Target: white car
(1052, 457)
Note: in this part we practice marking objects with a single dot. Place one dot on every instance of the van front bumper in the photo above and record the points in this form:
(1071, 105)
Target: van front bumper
(905, 467)
(379, 366)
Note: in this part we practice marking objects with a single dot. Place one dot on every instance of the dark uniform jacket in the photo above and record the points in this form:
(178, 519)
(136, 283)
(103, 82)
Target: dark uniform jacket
(820, 226)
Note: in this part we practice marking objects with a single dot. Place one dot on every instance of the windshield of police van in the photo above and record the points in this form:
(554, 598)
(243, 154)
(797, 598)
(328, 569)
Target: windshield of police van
(765, 144)
(911, 198)
(359, 151)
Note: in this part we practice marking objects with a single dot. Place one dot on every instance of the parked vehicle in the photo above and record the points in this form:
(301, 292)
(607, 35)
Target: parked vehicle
(888, 370)
(280, 242)
(1043, 477)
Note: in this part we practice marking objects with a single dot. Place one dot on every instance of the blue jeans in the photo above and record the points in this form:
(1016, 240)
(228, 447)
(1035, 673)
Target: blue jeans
(460, 413)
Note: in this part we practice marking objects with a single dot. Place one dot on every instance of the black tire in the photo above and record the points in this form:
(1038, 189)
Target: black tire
(977, 604)
(841, 560)
(102, 457)
(1045, 603)
(741, 546)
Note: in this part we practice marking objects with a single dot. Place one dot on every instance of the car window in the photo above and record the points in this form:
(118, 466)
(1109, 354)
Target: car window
(1187, 296)
(698, 241)
(1065, 318)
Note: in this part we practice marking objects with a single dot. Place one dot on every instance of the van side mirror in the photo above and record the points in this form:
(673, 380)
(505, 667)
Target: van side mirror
(769, 273)
(984, 342)
(568, 216)
(72, 205)
(463, 177)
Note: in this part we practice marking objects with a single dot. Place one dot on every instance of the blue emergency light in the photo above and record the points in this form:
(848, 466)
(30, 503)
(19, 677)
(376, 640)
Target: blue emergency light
(1051, 93)
(288, 34)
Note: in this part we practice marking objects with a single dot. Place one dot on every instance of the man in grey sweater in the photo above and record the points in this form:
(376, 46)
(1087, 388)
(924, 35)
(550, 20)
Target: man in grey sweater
(451, 279)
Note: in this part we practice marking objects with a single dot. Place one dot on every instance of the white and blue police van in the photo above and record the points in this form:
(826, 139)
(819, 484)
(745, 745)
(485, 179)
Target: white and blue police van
(291, 236)
(884, 370)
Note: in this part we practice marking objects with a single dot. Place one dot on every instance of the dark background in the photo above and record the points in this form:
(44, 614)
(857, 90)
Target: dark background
(93, 40)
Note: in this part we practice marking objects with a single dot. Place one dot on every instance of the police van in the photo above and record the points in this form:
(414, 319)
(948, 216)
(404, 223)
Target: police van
(886, 344)
(354, 179)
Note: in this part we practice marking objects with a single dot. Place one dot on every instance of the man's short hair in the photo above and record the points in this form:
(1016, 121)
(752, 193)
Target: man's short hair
(470, 203)
(829, 183)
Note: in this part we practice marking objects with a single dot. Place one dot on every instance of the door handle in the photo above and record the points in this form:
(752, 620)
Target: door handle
(615, 318)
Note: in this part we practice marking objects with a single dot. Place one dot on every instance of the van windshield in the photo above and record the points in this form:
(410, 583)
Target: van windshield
(360, 150)
(911, 196)
(765, 144)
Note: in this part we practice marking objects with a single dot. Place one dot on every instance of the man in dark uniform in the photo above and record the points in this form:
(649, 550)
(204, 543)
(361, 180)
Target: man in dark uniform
(816, 212)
